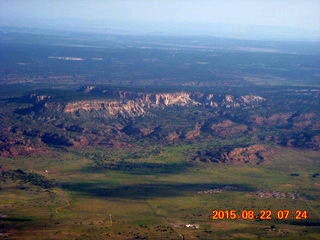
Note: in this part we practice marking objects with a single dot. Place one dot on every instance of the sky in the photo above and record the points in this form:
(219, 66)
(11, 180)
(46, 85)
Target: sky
(292, 14)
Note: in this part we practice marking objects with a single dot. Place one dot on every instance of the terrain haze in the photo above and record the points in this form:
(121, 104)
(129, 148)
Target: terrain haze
(248, 19)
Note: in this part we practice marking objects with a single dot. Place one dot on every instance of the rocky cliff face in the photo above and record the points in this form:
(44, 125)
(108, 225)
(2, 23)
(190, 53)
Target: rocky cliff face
(133, 104)
(160, 99)
(110, 108)
(191, 99)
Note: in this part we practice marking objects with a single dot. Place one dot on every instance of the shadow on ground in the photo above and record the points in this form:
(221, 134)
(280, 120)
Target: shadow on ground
(143, 191)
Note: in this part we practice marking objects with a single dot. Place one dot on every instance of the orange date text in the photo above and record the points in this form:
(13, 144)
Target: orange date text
(263, 214)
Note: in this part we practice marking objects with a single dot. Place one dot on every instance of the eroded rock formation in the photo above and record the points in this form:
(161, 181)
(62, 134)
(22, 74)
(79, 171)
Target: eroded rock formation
(111, 108)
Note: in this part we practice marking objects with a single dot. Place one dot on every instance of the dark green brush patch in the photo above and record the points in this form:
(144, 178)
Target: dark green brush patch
(25, 177)
(141, 168)
(16, 219)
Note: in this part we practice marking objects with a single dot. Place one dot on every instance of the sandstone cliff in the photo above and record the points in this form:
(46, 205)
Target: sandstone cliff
(160, 99)
(189, 99)
(109, 107)
(134, 104)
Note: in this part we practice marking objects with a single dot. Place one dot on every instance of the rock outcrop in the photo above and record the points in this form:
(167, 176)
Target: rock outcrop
(22, 150)
(193, 133)
(110, 108)
(134, 104)
(33, 97)
(172, 137)
(160, 99)
(288, 119)
(255, 154)
(252, 155)
(227, 128)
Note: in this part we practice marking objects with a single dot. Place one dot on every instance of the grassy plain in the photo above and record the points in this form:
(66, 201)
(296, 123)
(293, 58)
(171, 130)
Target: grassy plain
(158, 201)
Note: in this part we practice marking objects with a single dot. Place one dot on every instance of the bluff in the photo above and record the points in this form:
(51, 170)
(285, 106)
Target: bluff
(134, 104)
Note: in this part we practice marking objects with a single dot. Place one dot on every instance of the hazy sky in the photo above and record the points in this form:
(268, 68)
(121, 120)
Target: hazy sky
(293, 13)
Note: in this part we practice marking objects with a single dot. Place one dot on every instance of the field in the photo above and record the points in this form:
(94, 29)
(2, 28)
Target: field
(91, 203)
